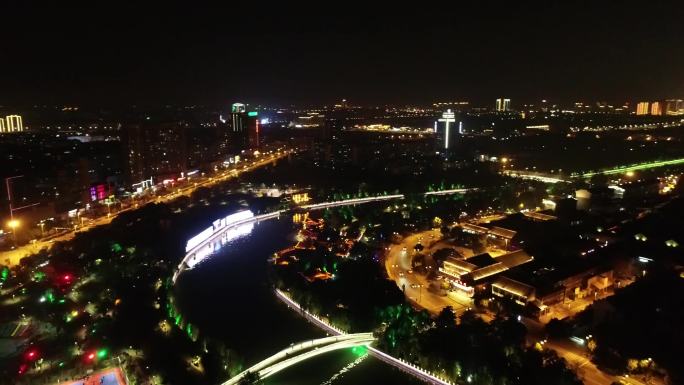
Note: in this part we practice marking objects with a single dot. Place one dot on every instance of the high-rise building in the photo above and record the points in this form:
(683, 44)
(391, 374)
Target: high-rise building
(244, 127)
(656, 108)
(253, 134)
(237, 116)
(503, 105)
(155, 150)
(642, 108)
(14, 123)
(674, 107)
(448, 117)
(2, 126)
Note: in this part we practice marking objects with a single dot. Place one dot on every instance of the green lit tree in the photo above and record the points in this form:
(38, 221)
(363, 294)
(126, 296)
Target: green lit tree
(250, 378)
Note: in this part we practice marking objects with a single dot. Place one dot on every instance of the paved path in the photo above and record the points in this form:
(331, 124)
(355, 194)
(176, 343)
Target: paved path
(111, 376)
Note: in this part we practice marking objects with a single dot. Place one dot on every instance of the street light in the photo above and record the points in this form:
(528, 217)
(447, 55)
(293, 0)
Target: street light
(14, 224)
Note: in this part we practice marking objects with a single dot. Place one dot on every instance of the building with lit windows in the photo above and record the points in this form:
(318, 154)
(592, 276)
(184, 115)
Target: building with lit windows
(154, 149)
(674, 107)
(310, 120)
(244, 127)
(448, 133)
(503, 105)
(238, 117)
(642, 108)
(656, 108)
(466, 274)
(12, 123)
(253, 128)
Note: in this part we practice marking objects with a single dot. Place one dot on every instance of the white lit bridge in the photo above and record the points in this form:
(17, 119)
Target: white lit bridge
(353, 201)
(221, 231)
(450, 191)
(542, 177)
(303, 351)
(407, 367)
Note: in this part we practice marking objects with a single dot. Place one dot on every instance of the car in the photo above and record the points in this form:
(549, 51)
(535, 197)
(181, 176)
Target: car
(401, 274)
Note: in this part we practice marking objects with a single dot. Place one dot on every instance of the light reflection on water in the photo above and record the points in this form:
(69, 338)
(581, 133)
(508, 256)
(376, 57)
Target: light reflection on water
(227, 237)
(228, 296)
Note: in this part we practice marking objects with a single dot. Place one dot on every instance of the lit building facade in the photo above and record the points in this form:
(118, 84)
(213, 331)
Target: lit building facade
(12, 123)
(503, 105)
(642, 108)
(155, 150)
(253, 128)
(448, 117)
(244, 127)
(238, 115)
(674, 107)
(656, 108)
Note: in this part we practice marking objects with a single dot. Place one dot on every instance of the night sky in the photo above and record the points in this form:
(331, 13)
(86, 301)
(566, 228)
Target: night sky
(403, 52)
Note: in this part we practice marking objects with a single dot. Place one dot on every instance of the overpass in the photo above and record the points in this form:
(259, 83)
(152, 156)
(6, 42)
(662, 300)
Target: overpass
(450, 191)
(546, 178)
(534, 176)
(635, 167)
(353, 201)
(301, 352)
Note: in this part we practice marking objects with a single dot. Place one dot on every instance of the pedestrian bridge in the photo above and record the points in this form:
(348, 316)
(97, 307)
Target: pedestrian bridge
(301, 352)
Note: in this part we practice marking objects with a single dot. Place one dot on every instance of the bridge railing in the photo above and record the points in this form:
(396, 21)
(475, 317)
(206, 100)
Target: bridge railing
(405, 366)
(302, 351)
(352, 201)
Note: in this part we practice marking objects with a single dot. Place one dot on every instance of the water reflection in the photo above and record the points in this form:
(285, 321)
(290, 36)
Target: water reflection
(227, 237)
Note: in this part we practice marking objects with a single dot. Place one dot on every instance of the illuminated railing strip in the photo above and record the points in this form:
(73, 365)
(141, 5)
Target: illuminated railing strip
(407, 367)
(352, 201)
(641, 166)
(291, 356)
(533, 176)
(450, 191)
(310, 354)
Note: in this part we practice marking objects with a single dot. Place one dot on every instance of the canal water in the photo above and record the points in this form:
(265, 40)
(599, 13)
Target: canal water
(228, 297)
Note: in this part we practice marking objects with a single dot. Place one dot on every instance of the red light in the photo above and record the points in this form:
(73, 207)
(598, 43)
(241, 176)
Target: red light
(67, 277)
(32, 354)
(23, 368)
(91, 356)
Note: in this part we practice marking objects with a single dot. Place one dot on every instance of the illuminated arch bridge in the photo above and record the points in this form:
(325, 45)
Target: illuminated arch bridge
(303, 351)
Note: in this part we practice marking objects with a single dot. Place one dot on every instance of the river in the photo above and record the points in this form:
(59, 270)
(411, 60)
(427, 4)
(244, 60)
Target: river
(228, 297)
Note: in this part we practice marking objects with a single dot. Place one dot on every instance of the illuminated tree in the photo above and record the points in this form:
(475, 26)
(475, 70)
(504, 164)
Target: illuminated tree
(250, 378)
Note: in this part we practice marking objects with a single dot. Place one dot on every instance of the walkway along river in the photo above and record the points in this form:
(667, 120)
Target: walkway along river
(227, 295)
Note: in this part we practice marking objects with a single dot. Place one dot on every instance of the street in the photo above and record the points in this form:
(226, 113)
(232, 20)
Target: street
(12, 257)
(398, 265)
(577, 356)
